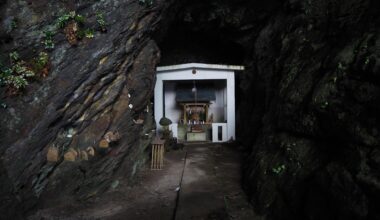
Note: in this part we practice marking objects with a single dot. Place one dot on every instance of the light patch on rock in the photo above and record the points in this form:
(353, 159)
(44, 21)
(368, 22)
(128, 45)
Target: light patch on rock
(115, 184)
(103, 60)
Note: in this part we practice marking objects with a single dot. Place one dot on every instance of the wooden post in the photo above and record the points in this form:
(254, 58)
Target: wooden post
(162, 156)
(184, 114)
(151, 163)
(206, 113)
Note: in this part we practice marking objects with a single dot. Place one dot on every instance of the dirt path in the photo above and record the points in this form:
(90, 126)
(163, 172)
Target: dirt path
(209, 189)
(211, 185)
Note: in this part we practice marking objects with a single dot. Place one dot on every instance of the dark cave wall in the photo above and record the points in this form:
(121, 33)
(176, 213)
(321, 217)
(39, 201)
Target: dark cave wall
(310, 114)
(309, 101)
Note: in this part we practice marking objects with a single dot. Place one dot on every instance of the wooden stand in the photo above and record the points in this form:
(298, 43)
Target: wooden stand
(158, 150)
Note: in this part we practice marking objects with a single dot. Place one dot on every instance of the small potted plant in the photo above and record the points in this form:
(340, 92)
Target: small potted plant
(165, 122)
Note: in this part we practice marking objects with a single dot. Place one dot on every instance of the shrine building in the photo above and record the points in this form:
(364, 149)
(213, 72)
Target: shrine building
(199, 99)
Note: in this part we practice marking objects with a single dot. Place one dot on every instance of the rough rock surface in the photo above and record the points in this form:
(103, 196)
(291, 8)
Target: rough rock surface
(308, 102)
(99, 85)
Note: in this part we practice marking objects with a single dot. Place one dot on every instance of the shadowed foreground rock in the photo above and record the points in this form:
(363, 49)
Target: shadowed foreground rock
(312, 125)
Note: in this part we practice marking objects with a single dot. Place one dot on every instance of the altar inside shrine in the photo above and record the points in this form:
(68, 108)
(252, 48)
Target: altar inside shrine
(195, 125)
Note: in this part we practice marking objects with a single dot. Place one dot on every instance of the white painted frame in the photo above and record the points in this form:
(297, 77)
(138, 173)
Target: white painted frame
(203, 72)
(215, 132)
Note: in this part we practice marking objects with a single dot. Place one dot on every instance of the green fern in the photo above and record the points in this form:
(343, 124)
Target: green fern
(48, 41)
(279, 169)
(101, 21)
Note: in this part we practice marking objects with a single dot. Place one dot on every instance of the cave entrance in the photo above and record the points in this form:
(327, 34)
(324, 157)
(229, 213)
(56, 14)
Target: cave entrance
(189, 42)
(199, 100)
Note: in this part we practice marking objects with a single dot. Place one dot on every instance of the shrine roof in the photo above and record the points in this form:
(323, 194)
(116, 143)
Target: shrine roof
(199, 66)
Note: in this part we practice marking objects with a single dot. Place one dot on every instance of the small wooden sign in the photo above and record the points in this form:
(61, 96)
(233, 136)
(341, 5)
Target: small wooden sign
(112, 136)
(83, 155)
(90, 151)
(69, 156)
(103, 143)
(52, 154)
